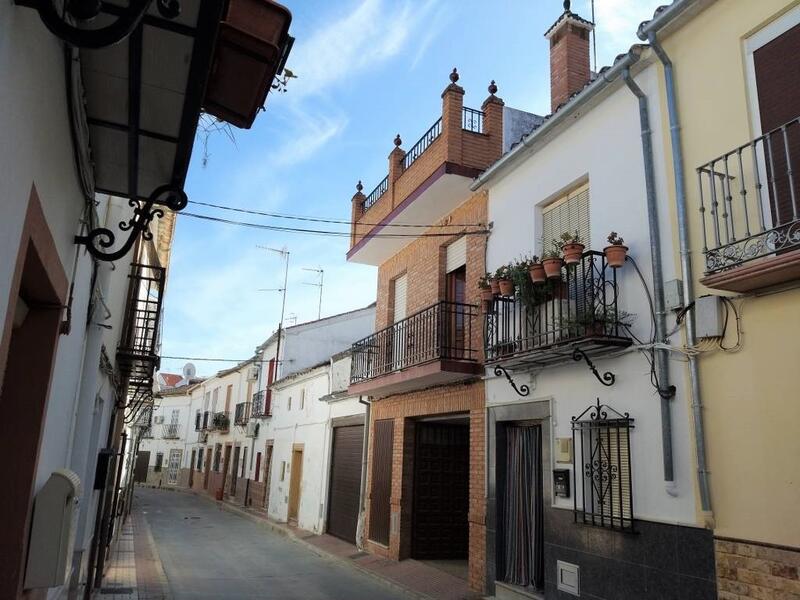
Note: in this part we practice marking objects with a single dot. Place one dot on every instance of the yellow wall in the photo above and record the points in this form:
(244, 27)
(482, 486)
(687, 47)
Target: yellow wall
(752, 397)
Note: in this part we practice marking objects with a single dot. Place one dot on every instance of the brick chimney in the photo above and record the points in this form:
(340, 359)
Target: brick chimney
(569, 55)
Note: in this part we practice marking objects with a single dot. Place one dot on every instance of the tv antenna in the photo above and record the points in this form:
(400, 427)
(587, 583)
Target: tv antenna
(321, 273)
(284, 253)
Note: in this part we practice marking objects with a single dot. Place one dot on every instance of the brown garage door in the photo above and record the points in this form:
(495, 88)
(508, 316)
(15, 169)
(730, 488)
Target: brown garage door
(343, 497)
(381, 493)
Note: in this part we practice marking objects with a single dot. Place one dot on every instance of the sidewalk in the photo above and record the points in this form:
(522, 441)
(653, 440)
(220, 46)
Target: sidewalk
(411, 576)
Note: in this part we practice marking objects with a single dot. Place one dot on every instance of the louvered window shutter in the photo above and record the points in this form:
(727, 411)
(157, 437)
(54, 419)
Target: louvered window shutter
(456, 254)
(400, 293)
(567, 214)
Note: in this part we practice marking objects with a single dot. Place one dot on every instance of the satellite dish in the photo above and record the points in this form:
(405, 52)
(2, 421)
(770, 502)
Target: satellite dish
(189, 371)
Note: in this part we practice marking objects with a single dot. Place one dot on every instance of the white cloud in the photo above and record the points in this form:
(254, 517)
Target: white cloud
(616, 24)
(310, 132)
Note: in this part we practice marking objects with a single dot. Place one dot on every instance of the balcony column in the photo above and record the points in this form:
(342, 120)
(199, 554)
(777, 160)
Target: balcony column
(492, 109)
(452, 116)
(356, 213)
(396, 157)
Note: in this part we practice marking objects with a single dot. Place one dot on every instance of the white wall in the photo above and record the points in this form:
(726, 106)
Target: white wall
(603, 146)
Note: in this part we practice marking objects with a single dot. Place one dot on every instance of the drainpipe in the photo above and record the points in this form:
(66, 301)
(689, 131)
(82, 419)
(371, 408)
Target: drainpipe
(665, 391)
(361, 534)
(648, 31)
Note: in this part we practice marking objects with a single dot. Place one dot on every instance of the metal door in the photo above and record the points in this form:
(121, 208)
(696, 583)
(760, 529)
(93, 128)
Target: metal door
(345, 481)
(142, 462)
(174, 466)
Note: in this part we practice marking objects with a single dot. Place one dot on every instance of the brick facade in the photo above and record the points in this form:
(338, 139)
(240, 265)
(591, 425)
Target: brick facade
(569, 58)
(466, 398)
(748, 570)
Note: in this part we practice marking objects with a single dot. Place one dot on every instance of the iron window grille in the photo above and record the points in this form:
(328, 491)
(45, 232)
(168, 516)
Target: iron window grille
(159, 462)
(221, 421)
(242, 415)
(171, 431)
(262, 405)
(604, 490)
(147, 433)
(750, 199)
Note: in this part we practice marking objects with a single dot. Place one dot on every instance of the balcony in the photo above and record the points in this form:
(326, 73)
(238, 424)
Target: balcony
(221, 422)
(578, 310)
(136, 353)
(428, 181)
(242, 414)
(749, 202)
(147, 433)
(262, 405)
(435, 346)
(171, 431)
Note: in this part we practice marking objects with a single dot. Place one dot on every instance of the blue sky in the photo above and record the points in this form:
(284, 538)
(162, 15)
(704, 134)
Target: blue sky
(367, 69)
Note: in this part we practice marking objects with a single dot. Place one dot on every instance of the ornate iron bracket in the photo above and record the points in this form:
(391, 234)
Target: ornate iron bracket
(522, 390)
(99, 241)
(607, 379)
(86, 10)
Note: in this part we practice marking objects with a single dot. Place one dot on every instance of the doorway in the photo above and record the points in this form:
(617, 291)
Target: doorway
(520, 506)
(209, 459)
(174, 466)
(226, 463)
(235, 470)
(440, 526)
(267, 474)
(192, 465)
(294, 483)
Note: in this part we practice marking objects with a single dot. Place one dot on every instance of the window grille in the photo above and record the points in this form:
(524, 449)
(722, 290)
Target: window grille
(602, 467)
(569, 213)
(159, 461)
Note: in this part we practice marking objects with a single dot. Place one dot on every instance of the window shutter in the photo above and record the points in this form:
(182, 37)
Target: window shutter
(569, 213)
(457, 254)
(400, 293)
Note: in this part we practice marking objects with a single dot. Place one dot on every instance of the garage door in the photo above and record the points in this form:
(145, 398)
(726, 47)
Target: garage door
(345, 481)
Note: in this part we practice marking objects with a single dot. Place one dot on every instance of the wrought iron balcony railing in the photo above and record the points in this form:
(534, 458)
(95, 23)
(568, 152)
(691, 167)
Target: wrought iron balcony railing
(262, 405)
(750, 199)
(471, 120)
(242, 414)
(147, 433)
(171, 431)
(535, 325)
(422, 144)
(441, 331)
(136, 353)
(220, 421)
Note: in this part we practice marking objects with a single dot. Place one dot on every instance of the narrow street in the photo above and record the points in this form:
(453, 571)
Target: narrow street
(211, 553)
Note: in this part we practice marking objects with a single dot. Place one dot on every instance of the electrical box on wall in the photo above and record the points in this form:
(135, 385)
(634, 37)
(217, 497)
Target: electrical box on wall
(561, 483)
(55, 520)
(673, 294)
(708, 316)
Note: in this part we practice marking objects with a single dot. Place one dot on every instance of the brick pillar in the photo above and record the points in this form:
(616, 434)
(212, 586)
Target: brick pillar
(357, 211)
(492, 109)
(396, 157)
(452, 115)
(569, 56)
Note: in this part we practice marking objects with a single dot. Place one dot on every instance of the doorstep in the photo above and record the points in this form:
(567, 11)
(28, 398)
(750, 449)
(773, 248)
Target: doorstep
(507, 591)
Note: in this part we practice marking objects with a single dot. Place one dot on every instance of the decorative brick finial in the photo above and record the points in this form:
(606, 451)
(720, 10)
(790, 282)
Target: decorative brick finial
(359, 187)
(397, 140)
(492, 88)
(454, 75)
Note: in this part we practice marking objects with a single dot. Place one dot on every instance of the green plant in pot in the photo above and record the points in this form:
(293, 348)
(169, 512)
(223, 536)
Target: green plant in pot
(486, 288)
(503, 276)
(616, 252)
(572, 247)
(536, 270)
(552, 261)
(600, 321)
(494, 284)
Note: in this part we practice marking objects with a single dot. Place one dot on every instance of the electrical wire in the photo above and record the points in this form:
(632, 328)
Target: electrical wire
(345, 234)
(205, 359)
(324, 219)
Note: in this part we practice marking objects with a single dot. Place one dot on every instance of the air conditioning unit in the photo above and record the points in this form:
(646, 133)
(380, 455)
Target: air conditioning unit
(252, 374)
(158, 420)
(252, 429)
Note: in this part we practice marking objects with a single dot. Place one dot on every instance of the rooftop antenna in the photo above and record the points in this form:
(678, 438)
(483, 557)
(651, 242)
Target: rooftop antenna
(284, 252)
(321, 273)
(292, 318)
(594, 39)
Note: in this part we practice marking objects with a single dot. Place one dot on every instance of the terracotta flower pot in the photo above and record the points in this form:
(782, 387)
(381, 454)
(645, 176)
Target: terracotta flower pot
(506, 287)
(486, 305)
(487, 294)
(552, 267)
(494, 285)
(615, 255)
(536, 271)
(572, 253)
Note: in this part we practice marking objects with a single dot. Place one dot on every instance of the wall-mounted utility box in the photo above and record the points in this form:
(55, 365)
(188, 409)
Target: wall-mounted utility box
(561, 483)
(564, 450)
(55, 520)
(673, 294)
(568, 578)
(708, 313)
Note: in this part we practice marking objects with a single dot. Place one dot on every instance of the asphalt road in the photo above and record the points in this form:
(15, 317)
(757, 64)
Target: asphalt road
(210, 553)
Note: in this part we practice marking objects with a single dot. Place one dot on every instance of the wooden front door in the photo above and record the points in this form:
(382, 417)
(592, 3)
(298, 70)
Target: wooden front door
(226, 463)
(267, 474)
(192, 465)
(209, 458)
(294, 483)
(235, 470)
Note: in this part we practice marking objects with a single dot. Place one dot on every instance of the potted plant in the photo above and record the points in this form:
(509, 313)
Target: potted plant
(485, 287)
(536, 271)
(616, 252)
(552, 261)
(494, 284)
(572, 247)
(503, 276)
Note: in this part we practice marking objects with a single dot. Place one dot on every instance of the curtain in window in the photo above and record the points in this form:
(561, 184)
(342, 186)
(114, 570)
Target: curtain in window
(522, 518)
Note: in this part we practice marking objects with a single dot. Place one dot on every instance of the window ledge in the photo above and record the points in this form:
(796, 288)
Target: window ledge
(758, 274)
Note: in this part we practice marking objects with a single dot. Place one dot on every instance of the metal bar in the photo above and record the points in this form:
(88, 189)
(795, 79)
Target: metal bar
(134, 108)
(714, 203)
(757, 176)
(789, 173)
(728, 197)
(776, 215)
(743, 193)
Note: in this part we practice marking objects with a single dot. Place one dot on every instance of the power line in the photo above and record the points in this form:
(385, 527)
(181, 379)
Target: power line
(324, 231)
(321, 219)
(204, 359)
